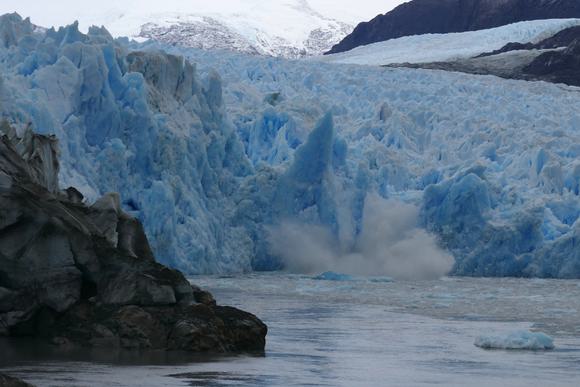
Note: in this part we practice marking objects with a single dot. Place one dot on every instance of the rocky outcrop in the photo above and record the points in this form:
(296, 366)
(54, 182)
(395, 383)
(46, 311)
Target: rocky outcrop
(561, 66)
(199, 327)
(444, 16)
(9, 381)
(85, 275)
(562, 39)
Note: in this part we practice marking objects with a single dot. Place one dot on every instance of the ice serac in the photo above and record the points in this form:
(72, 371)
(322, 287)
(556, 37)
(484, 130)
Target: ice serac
(209, 162)
(140, 123)
(300, 186)
(301, 191)
(490, 162)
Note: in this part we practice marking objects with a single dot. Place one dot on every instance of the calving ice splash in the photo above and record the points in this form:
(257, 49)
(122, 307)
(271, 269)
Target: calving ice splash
(227, 157)
(389, 243)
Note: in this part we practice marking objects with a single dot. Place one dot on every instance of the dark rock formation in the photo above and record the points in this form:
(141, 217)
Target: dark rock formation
(444, 16)
(80, 275)
(558, 66)
(9, 381)
(505, 65)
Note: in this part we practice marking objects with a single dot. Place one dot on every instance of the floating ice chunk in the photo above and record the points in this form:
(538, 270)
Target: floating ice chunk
(516, 340)
(332, 276)
(381, 279)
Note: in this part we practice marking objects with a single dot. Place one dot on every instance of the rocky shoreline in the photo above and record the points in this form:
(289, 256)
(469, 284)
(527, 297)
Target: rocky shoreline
(79, 275)
(9, 381)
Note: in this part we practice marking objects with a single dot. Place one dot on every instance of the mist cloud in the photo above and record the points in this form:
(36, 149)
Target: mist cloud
(389, 244)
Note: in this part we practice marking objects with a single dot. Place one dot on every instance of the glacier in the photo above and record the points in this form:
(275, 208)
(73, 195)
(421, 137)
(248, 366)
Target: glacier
(140, 123)
(449, 47)
(210, 151)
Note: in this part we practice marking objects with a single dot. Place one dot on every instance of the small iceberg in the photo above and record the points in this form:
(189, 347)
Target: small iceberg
(516, 340)
(381, 279)
(332, 276)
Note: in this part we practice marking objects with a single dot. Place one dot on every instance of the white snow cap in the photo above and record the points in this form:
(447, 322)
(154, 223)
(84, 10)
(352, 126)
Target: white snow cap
(124, 18)
(286, 28)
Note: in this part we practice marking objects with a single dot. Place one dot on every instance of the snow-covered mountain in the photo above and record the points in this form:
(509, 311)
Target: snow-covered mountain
(288, 28)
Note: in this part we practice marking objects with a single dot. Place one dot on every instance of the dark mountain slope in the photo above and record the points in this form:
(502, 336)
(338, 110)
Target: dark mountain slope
(445, 16)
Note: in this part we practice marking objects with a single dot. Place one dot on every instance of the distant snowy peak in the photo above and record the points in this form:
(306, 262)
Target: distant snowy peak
(207, 32)
(286, 28)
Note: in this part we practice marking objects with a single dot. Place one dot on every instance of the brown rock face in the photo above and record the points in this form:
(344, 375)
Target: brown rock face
(86, 276)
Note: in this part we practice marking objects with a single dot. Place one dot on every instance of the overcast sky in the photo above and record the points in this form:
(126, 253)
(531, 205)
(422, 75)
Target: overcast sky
(61, 12)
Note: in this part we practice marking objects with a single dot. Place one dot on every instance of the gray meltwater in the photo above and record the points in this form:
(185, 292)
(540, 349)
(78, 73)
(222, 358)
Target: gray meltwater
(362, 332)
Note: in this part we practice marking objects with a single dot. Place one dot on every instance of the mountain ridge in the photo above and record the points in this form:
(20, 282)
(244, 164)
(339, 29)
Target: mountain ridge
(289, 28)
(445, 16)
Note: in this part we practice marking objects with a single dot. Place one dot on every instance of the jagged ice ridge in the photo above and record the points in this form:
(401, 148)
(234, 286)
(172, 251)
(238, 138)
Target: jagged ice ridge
(206, 165)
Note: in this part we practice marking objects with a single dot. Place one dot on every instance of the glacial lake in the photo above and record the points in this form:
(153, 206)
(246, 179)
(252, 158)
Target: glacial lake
(359, 332)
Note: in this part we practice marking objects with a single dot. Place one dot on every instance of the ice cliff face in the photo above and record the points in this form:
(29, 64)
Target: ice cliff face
(138, 123)
(492, 164)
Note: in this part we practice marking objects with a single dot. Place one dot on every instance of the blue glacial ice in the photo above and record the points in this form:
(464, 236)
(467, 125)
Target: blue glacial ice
(332, 276)
(516, 340)
(212, 152)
